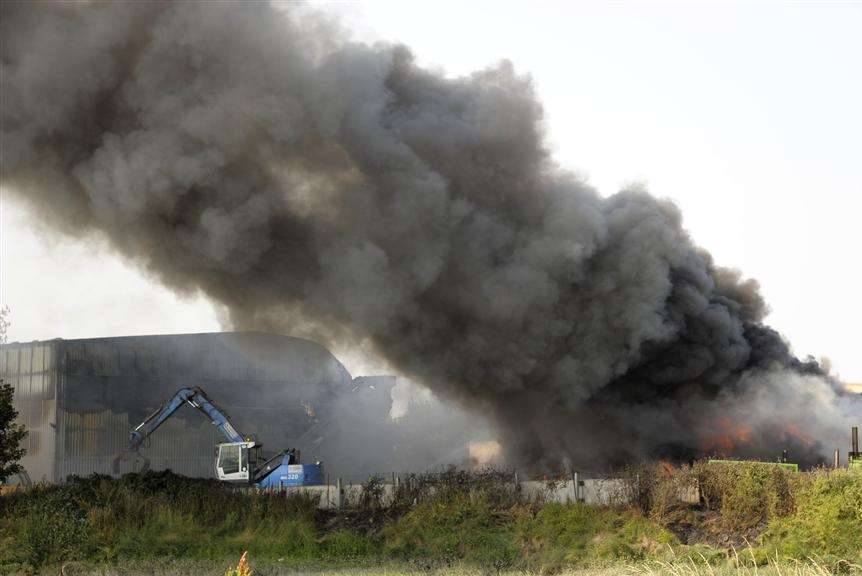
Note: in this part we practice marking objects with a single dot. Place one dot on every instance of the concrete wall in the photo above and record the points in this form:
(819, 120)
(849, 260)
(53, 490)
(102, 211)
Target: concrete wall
(591, 491)
(594, 492)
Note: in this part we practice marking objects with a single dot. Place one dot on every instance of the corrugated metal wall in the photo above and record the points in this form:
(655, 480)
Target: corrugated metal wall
(91, 441)
(80, 398)
(109, 385)
(31, 369)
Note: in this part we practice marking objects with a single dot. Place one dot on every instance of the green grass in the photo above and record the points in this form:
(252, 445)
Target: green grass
(465, 526)
(458, 521)
(827, 519)
(669, 568)
(575, 534)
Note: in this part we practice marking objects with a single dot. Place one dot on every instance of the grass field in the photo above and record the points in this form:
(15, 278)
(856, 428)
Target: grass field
(751, 519)
(655, 569)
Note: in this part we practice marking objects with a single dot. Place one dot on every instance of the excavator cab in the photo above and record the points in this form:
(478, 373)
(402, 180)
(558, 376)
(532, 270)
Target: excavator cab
(234, 461)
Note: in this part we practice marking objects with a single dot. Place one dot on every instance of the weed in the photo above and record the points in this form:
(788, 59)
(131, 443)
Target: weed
(242, 567)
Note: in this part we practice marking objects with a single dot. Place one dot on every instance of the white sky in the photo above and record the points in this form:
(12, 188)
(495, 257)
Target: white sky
(747, 114)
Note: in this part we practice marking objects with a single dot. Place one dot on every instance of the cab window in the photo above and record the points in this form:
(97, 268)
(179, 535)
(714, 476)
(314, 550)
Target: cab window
(243, 458)
(229, 459)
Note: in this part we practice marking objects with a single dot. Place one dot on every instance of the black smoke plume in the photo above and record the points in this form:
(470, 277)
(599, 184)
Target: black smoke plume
(311, 184)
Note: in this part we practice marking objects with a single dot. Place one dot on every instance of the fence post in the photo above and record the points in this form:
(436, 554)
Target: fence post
(576, 488)
(340, 489)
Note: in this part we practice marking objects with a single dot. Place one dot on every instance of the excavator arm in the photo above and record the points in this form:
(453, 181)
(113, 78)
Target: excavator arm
(194, 397)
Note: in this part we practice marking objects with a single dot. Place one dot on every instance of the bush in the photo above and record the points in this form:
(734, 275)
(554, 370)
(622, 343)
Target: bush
(659, 490)
(498, 488)
(746, 493)
(53, 529)
(827, 521)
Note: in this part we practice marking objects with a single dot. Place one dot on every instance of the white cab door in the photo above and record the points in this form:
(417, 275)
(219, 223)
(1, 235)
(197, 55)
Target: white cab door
(233, 464)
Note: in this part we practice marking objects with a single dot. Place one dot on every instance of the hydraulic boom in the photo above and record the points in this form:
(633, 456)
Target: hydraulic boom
(194, 397)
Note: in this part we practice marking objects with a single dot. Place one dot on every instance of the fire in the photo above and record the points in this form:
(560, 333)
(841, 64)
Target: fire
(484, 454)
(729, 436)
(793, 431)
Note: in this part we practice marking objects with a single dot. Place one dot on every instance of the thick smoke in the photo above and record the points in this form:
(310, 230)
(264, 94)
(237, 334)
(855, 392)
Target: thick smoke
(311, 183)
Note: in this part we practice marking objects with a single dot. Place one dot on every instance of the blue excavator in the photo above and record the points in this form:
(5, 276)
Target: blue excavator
(238, 460)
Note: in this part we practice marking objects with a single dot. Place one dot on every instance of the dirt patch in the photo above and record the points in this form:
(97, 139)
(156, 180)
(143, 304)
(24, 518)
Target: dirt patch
(700, 526)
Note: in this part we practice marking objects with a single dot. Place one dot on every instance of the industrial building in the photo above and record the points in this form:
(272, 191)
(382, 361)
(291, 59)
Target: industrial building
(79, 399)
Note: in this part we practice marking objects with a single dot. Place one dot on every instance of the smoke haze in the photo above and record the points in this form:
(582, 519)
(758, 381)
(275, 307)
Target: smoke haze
(317, 186)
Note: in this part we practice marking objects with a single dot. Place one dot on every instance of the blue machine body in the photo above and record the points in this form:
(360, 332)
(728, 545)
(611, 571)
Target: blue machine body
(292, 475)
(284, 471)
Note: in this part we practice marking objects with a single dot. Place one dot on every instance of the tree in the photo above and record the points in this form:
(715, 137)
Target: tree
(4, 323)
(11, 434)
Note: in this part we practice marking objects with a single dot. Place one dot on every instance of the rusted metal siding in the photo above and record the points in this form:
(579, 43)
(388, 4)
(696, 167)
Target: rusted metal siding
(31, 370)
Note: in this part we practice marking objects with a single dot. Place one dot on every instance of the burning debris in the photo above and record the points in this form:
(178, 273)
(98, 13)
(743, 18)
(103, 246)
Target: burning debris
(336, 190)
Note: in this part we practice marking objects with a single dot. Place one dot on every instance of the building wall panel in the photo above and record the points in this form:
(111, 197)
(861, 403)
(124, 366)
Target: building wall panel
(92, 441)
(31, 370)
(81, 398)
(263, 381)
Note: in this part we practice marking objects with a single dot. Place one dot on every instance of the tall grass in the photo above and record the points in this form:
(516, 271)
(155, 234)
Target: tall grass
(443, 521)
(151, 516)
(828, 518)
(691, 568)
(792, 516)
(743, 494)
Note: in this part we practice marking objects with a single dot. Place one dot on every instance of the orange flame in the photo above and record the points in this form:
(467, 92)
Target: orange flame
(793, 431)
(728, 438)
(484, 454)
